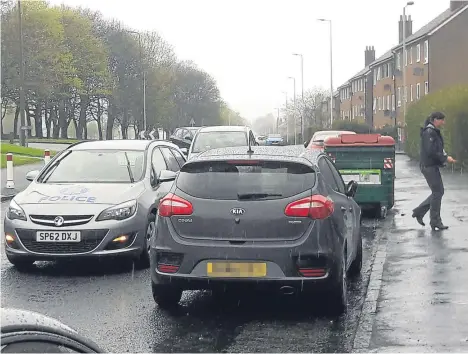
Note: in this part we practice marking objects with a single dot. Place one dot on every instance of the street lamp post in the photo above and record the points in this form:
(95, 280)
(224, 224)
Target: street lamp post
(405, 58)
(294, 112)
(143, 73)
(331, 69)
(302, 89)
(287, 115)
(22, 103)
(277, 120)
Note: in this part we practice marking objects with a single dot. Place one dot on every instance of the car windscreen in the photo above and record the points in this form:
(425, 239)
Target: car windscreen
(95, 166)
(218, 139)
(248, 180)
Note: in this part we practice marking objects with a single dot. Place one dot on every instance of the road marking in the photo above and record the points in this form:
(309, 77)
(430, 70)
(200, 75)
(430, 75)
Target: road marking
(363, 334)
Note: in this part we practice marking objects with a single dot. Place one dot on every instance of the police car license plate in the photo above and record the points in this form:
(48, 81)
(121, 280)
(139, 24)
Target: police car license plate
(58, 236)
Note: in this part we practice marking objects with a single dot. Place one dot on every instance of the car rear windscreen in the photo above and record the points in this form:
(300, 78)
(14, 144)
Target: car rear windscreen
(243, 180)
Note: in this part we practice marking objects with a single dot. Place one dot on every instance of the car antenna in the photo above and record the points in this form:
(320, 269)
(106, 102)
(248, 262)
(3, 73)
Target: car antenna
(250, 151)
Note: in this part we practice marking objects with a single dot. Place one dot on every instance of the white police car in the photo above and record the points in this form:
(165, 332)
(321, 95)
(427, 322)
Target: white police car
(94, 199)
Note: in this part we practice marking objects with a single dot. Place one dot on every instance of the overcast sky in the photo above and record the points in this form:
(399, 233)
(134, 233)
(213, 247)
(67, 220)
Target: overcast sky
(247, 45)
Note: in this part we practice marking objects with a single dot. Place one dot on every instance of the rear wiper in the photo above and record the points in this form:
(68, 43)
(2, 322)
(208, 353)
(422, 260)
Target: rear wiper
(247, 196)
(129, 168)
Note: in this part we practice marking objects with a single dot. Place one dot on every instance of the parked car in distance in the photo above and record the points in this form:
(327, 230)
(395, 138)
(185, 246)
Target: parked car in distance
(261, 219)
(94, 199)
(183, 137)
(261, 139)
(274, 139)
(216, 137)
(318, 139)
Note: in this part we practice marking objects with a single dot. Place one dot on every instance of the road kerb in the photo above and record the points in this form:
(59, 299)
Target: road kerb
(363, 334)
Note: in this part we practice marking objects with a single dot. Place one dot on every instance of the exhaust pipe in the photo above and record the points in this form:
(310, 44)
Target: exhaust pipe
(287, 290)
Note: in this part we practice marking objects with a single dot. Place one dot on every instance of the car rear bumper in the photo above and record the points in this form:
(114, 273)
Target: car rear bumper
(282, 261)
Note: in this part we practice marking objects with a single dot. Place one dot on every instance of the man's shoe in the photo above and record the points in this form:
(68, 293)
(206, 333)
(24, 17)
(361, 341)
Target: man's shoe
(419, 219)
(439, 227)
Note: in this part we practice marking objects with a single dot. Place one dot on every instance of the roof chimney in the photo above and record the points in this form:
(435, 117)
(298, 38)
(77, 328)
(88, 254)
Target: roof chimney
(456, 4)
(369, 55)
(408, 25)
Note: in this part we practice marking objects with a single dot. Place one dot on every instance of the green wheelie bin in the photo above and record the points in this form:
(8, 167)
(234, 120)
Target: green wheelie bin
(368, 159)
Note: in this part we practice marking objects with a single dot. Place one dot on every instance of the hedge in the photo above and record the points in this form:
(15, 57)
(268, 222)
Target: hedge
(453, 102)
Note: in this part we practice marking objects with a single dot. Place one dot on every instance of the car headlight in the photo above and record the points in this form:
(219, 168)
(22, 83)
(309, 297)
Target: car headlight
(15, 211)
(119, 212)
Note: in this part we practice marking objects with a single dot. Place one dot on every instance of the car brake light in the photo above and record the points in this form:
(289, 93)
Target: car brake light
(315, 207)
(312, 272)
(172, 204)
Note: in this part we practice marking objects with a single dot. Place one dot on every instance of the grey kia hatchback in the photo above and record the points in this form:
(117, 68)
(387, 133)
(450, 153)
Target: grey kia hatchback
(94, 199)
(261, 218)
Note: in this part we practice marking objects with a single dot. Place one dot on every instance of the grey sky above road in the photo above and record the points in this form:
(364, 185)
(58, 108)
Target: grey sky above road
(247, 45)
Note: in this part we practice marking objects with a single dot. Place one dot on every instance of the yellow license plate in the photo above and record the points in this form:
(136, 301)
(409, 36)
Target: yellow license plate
(236, 270)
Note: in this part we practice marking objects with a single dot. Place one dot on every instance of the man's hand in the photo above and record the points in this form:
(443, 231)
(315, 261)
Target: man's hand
(451, 159)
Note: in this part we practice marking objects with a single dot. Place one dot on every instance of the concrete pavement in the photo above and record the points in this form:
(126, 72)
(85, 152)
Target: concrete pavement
(420, 277)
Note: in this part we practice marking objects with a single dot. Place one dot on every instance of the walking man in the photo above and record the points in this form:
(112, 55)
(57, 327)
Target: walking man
(432, 157)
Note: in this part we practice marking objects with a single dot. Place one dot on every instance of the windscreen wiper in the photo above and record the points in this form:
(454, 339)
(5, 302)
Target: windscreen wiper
(252, 196)
(52, 167)
(129, 168)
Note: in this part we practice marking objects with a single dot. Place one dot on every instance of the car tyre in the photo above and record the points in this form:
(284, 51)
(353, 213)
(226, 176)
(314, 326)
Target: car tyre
(143, 261)
(356, 265)
(166, 296)
(20, 263)
(338, 296)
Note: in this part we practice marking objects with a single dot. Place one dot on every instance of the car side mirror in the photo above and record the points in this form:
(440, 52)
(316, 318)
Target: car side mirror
(31, 332)
(184, 151)
(167, 176)
(351, 189)
(31, 175)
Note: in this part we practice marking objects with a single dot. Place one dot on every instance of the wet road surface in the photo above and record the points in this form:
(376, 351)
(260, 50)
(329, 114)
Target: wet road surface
(111, 302)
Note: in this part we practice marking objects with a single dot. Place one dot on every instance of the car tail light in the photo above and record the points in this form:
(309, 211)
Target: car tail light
(312, 272)
(315, 207)
(172, 204)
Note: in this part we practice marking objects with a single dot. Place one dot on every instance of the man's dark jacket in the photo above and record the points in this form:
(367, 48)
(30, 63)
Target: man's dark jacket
(432, 146)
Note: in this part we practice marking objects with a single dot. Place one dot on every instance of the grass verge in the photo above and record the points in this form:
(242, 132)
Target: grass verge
(19, 160)
(21, 150)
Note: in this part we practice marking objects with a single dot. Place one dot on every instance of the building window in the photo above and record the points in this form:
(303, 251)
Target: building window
(418, 53)
(393, 102)
(375, 76)
(380, 103)
(398, 61)
(411, 55)
(388, 102)
(399, 96)
(426, 88)
(374, 107)
(362, 109)
(418, 91)
(406, 94)
(426, 52)
(406, 57)
(411, 93)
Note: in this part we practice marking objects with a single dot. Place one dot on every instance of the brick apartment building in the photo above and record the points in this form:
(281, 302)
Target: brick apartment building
(436, 57)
